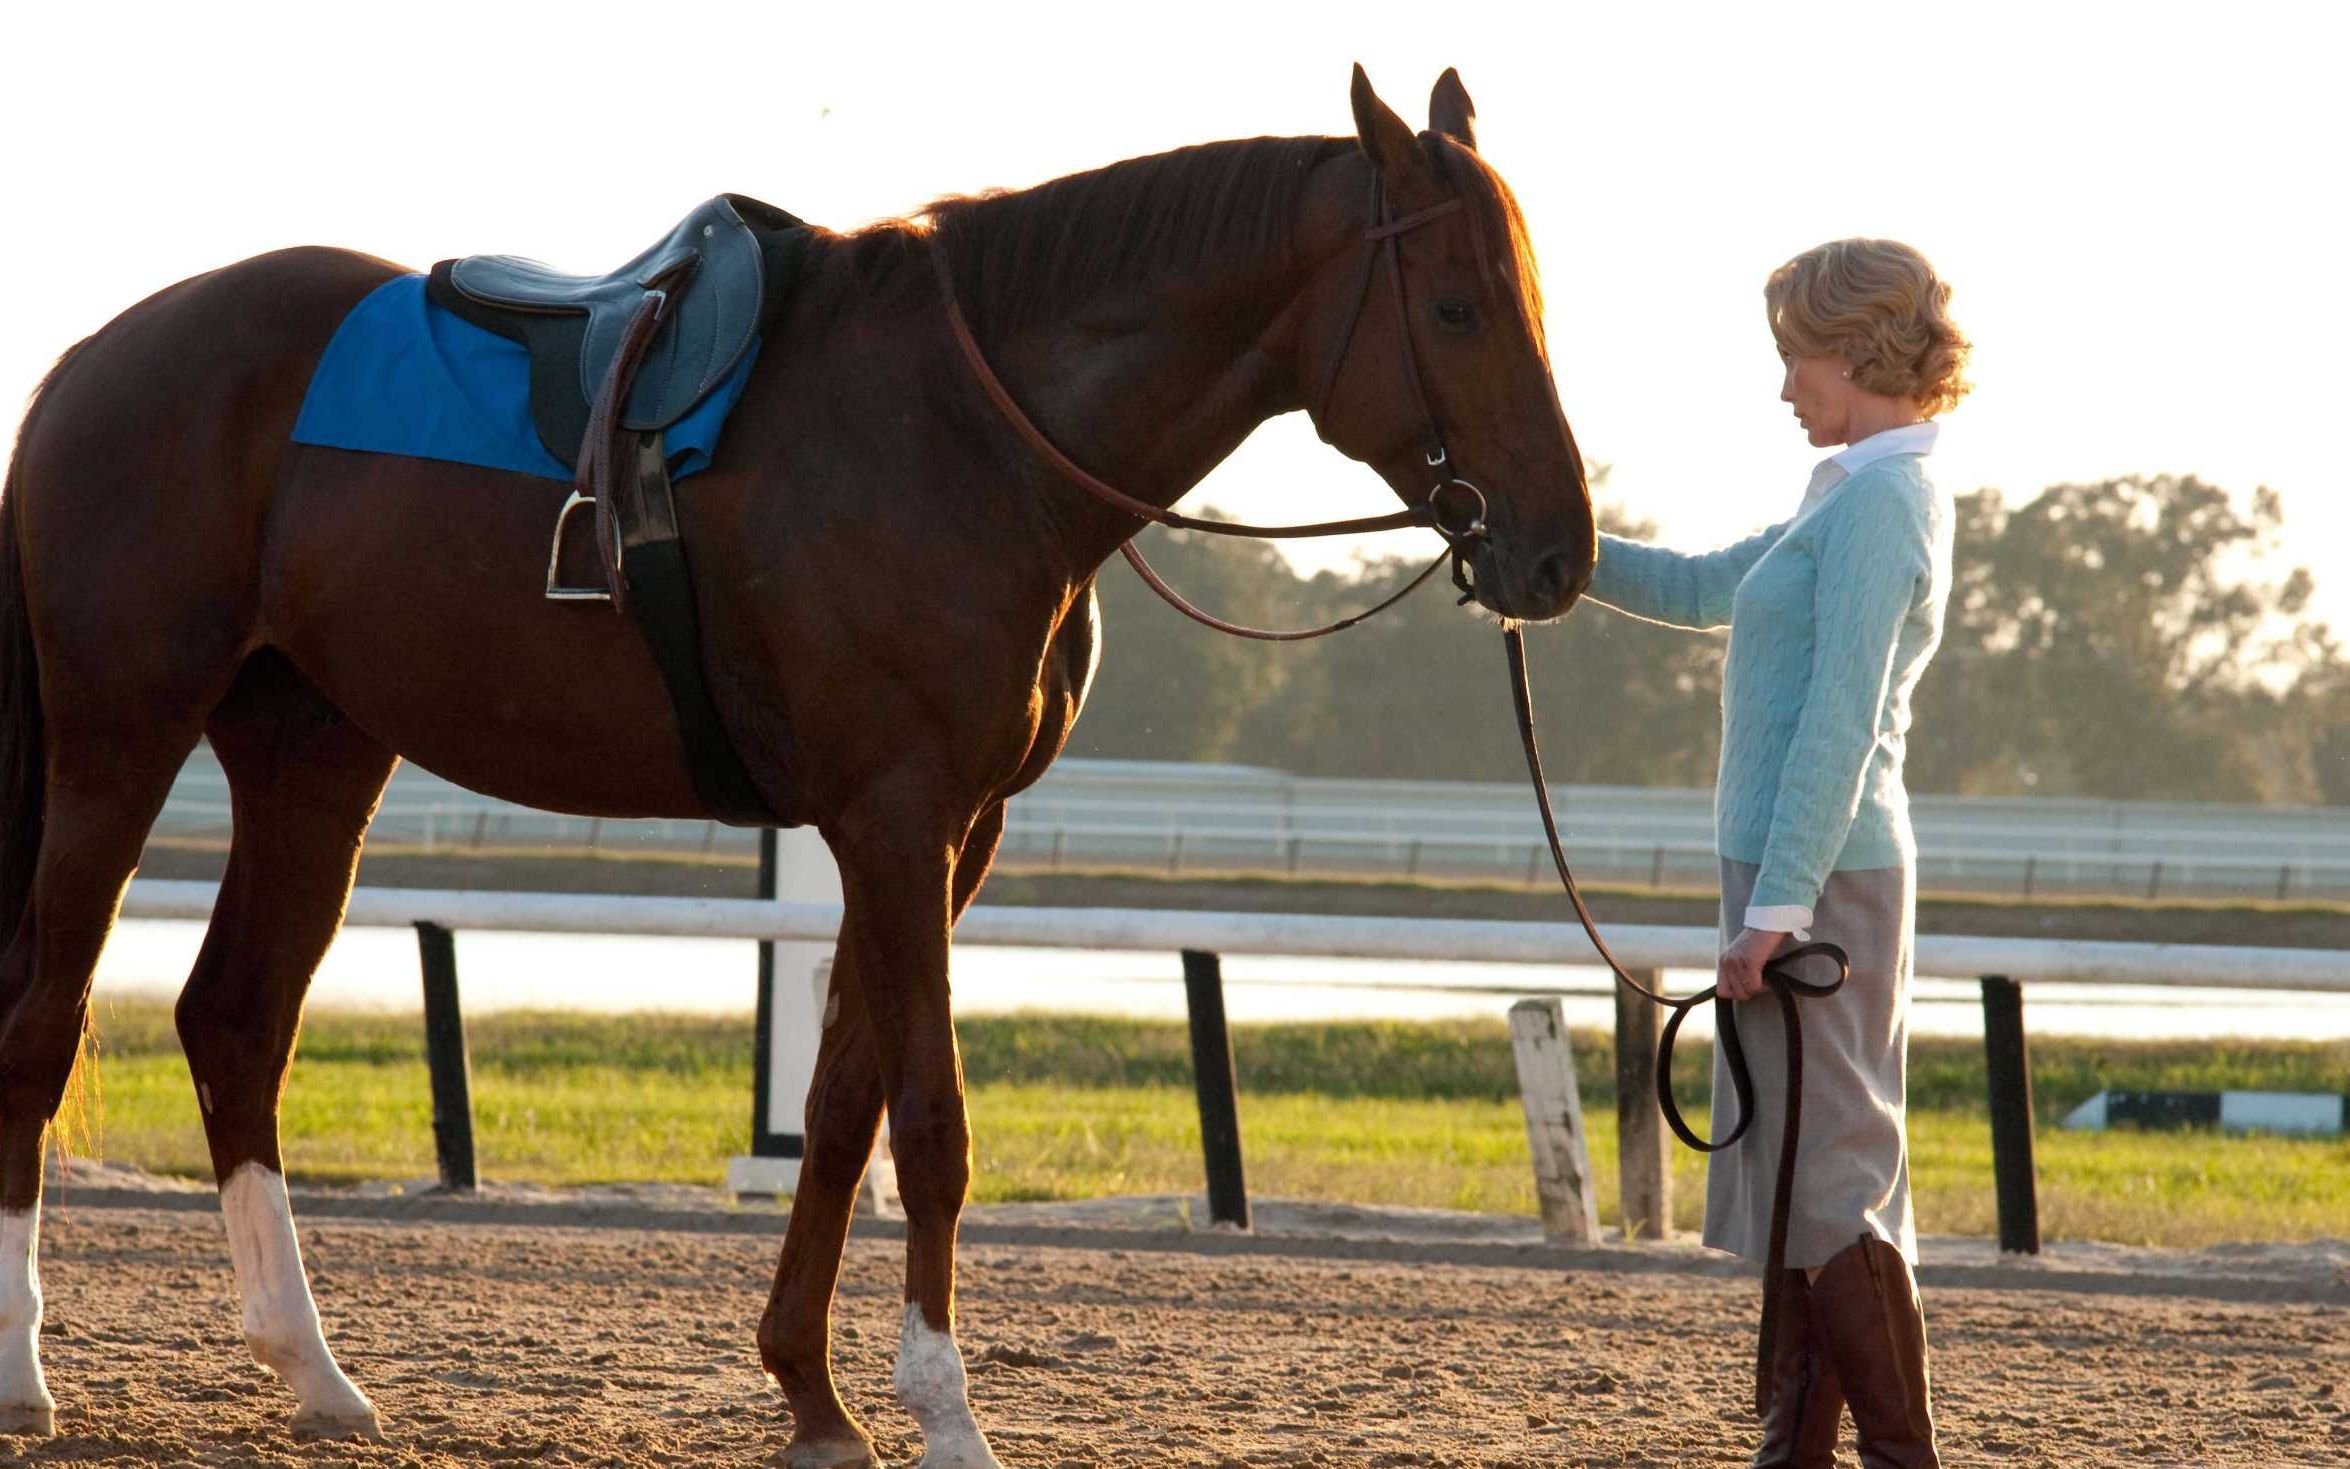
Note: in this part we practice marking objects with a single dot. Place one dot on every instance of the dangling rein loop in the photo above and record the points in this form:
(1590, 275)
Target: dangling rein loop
(1175, 599)
(1779, 971)
(1784, 983)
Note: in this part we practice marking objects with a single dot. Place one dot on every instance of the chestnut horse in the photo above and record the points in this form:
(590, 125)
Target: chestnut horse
(896, 596)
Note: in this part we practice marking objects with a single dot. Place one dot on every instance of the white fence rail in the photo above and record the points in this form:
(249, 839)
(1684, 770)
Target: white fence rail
(1183, 819)
(1159, 930)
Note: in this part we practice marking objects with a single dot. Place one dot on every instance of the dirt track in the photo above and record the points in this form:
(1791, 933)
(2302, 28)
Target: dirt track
(602, 1346)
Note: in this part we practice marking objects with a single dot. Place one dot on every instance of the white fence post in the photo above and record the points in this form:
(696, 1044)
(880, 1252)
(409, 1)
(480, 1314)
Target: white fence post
(1644, 1165)
(1554, 1122)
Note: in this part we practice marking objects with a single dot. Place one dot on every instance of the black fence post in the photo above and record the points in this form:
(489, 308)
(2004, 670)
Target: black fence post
(763, 1042)
(444, 1056)
(2009, 1070)
(1211, 1069)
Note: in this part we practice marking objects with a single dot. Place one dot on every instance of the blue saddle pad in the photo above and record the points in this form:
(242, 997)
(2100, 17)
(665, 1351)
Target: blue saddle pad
(403, 376)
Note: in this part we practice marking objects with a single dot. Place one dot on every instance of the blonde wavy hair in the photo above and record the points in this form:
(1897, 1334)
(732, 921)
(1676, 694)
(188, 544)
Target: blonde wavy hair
(1878, 306)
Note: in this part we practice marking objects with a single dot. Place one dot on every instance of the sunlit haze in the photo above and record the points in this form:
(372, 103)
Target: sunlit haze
(2140, 206)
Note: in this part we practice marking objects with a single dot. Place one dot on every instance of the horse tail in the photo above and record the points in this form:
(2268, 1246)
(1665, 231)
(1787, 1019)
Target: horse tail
(23, 748)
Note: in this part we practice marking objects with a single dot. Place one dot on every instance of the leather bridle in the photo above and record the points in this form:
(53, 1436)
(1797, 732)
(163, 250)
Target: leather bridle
(1382, 236)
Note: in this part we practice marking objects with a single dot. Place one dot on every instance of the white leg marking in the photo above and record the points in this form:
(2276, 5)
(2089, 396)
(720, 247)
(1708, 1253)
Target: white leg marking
(932, 1385)
(281, 1320)
(25, 1404)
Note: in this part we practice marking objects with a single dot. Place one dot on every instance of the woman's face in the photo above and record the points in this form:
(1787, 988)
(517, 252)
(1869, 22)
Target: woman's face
(1821, 390)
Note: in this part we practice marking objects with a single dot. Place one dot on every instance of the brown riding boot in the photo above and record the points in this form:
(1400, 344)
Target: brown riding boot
(1864, 1308)
(1807, 1405)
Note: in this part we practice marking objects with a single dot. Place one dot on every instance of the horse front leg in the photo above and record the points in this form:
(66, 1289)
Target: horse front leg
(844, 1104)
(899, 870)
(795, 1333)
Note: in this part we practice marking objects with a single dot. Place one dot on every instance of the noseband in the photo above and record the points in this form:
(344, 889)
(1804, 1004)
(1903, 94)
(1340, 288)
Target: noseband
(1453, 507)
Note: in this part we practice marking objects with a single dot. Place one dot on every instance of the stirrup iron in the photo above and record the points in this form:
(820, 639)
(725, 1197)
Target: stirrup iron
(556, 592)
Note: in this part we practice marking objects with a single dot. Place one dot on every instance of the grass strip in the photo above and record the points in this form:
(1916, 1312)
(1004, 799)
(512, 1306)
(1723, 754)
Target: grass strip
(1071, 1106)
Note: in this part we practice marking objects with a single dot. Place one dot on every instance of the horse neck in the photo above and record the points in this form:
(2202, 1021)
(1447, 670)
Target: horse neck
(1154, 392)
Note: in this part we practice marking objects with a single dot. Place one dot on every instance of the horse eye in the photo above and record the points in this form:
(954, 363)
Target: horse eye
(1455, 315)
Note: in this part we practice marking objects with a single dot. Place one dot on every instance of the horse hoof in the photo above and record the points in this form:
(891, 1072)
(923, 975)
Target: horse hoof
(339, 1426)
(839, 1453)
(971, 1453)
(28, 1420)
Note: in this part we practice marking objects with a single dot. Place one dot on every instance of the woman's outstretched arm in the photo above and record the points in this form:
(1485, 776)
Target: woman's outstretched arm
(1676, 588)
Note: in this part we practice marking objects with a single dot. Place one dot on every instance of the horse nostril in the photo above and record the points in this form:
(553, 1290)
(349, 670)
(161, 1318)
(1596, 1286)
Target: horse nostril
(1560, 579)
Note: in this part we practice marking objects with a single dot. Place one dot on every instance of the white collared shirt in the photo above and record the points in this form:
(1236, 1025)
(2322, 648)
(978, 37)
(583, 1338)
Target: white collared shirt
(1910, 438)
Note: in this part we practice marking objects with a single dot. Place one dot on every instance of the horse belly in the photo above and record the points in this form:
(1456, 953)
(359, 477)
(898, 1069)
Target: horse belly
(411, 593)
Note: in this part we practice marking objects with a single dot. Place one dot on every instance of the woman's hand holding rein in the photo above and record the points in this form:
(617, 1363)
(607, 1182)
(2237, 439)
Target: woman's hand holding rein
(1739, 975)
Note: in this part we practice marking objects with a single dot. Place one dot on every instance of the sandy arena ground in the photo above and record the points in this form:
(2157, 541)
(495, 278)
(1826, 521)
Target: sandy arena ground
(619, 1346)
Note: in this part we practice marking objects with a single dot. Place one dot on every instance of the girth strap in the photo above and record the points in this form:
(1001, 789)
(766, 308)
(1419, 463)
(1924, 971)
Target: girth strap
(642, 559)
(661, 603)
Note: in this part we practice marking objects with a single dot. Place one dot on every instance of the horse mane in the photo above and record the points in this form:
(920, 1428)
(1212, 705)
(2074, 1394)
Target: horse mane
(1021, 254)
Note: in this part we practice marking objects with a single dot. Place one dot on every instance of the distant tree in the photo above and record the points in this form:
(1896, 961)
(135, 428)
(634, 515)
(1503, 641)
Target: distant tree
(1418, 692)
(2330, 757)
(1169, 689)
(2316, 717)
(2109, 639)
(2112, 639)
(1422, 692)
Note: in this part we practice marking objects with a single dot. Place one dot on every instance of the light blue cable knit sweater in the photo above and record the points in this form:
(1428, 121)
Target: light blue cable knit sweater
(1833, 615)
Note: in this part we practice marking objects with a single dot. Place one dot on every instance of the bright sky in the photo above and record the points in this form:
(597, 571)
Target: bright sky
(2141, 206)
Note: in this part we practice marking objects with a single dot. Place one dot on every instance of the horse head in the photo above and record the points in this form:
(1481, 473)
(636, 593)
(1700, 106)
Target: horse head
(1439, 373)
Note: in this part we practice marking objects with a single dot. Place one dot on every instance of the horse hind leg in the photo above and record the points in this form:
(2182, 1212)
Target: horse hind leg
(303, 786)
(102, 793)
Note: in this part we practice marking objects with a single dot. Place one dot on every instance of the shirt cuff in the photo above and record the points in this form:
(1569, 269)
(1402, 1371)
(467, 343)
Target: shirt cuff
(1791, 918)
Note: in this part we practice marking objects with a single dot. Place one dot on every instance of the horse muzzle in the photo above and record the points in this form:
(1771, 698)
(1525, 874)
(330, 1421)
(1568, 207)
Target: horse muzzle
(1487, 570)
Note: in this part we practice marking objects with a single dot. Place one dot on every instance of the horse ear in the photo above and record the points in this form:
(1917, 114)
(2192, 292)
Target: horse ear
(1386, 140)
(1450, 111)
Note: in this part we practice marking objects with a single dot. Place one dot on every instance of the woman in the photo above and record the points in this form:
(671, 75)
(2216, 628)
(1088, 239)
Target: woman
(1833, 615)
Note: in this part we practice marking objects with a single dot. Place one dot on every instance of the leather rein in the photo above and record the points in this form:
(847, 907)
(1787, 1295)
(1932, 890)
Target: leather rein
(1382, 236)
